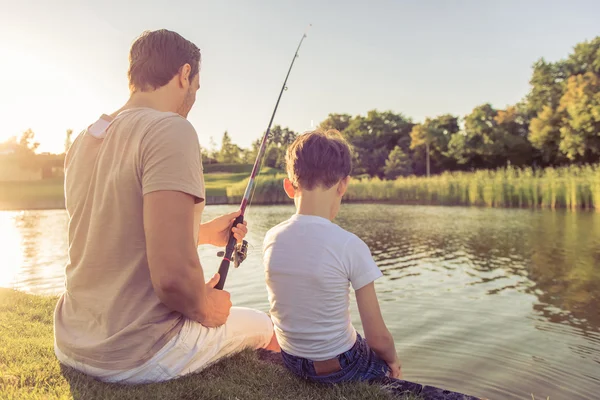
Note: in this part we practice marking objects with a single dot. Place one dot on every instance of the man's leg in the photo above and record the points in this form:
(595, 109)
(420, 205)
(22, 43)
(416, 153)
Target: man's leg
(193, 349)
(199, 346)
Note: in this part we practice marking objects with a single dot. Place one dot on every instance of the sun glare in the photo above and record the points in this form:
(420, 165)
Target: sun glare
(12, 257)
(41, 94)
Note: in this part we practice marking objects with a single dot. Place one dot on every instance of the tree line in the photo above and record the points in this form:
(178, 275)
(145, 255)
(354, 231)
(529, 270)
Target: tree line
(555, 124)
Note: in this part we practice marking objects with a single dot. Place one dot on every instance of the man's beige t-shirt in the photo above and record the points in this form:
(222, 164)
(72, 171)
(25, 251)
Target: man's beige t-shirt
(109, 315)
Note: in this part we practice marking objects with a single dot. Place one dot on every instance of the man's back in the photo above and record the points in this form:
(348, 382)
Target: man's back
(110, 317)
(309, 264)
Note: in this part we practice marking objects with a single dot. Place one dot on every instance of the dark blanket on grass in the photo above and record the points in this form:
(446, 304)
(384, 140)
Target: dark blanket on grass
(396, 386)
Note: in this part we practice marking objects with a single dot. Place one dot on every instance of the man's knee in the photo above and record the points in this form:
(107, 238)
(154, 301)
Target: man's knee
(252, 323)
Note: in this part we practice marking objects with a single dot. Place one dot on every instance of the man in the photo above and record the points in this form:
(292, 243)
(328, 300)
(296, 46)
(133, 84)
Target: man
(136, 307)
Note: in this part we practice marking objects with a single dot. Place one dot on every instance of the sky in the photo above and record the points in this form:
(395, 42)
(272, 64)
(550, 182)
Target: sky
(64, 63)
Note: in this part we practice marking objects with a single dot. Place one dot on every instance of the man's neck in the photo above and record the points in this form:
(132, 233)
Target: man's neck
(155, 99)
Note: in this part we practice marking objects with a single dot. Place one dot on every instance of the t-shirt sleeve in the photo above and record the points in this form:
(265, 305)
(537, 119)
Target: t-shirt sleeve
(361, 267)
(171, 159)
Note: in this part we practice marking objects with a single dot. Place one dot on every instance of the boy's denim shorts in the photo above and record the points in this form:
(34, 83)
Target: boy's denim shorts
(360, 363)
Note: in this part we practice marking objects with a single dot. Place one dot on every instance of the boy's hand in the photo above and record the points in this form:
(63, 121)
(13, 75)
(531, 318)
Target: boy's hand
(218, 304)
(396, 369)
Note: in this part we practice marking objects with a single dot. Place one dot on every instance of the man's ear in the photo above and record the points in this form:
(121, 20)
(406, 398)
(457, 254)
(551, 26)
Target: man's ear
(289, 188)
(184, 76)
(343, 186)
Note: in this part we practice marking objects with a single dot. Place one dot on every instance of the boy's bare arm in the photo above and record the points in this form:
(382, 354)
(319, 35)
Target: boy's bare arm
(378, 336)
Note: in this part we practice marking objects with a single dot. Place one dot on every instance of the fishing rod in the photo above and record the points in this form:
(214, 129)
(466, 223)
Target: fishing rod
(232, 250)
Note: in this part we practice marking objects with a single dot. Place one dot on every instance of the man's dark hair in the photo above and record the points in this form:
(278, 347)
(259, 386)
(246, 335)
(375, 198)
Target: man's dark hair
(157, 56)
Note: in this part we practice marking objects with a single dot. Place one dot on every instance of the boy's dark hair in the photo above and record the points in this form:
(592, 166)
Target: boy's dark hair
(318, 158)
(156, 56)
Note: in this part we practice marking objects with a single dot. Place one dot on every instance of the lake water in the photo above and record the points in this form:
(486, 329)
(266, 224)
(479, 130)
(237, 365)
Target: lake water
(495, 303)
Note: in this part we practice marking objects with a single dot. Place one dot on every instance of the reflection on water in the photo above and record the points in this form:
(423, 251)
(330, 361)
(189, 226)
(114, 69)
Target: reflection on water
(34, 250)
(495, 303)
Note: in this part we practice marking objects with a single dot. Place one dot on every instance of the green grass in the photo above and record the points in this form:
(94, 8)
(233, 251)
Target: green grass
(29, 369)
(570, 187)
(32, 194)
(218, 182)
(50, 193)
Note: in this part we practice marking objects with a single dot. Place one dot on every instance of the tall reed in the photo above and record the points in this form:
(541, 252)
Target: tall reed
(571, 187)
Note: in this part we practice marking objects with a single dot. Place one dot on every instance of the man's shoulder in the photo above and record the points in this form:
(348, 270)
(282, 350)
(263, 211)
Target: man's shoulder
(168, 121)
(159, 127)
(154, 121)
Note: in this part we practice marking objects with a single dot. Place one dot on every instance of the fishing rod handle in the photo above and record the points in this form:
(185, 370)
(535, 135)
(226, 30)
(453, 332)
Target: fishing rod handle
(227, 258)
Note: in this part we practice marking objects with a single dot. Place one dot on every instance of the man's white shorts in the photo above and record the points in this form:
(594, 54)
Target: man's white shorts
(194, 348)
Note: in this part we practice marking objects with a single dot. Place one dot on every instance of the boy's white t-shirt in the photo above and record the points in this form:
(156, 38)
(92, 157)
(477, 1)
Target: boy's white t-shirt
(310, 263)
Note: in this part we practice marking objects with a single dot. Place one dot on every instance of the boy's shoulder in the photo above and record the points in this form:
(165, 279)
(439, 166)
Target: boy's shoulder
(277, 228)
(331, 232)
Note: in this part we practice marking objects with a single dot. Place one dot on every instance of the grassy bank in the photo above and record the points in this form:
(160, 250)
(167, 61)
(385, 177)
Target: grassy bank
(29, 369)
(569, 187)
(49, 193)
(26, 192)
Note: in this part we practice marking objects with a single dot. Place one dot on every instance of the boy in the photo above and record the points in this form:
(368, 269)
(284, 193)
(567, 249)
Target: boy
(310, 263)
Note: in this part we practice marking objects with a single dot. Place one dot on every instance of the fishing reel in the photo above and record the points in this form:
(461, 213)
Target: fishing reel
(239, 254)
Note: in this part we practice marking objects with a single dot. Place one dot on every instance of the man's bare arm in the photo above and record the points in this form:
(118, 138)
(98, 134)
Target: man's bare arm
(175, 268)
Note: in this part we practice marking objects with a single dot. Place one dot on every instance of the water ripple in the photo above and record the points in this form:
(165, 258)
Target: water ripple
(496, 303)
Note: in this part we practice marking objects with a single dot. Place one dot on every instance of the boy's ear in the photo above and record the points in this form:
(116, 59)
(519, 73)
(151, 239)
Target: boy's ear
(343, 186)
(289, 188)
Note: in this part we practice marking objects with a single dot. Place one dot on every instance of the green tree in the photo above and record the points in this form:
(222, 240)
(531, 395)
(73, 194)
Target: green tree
(557, 125)
(584, 58)
(580, 130)
(277, 143)
(512, 125)
(544, 135)
(457, 149)
(481, 146)
(229, 153)
(281, 137)
(493, 138)
(373, 138)
(397, 164)
(547, 86)
(338, 122)
(272, 156)
(430, 140)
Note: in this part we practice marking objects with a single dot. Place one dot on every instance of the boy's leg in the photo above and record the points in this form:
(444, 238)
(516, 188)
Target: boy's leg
(360, 363)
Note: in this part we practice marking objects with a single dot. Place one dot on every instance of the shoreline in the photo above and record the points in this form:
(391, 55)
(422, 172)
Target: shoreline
(59, 204)
(31, 370)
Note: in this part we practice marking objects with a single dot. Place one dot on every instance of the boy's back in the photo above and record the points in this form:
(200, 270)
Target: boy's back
(310, 263)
